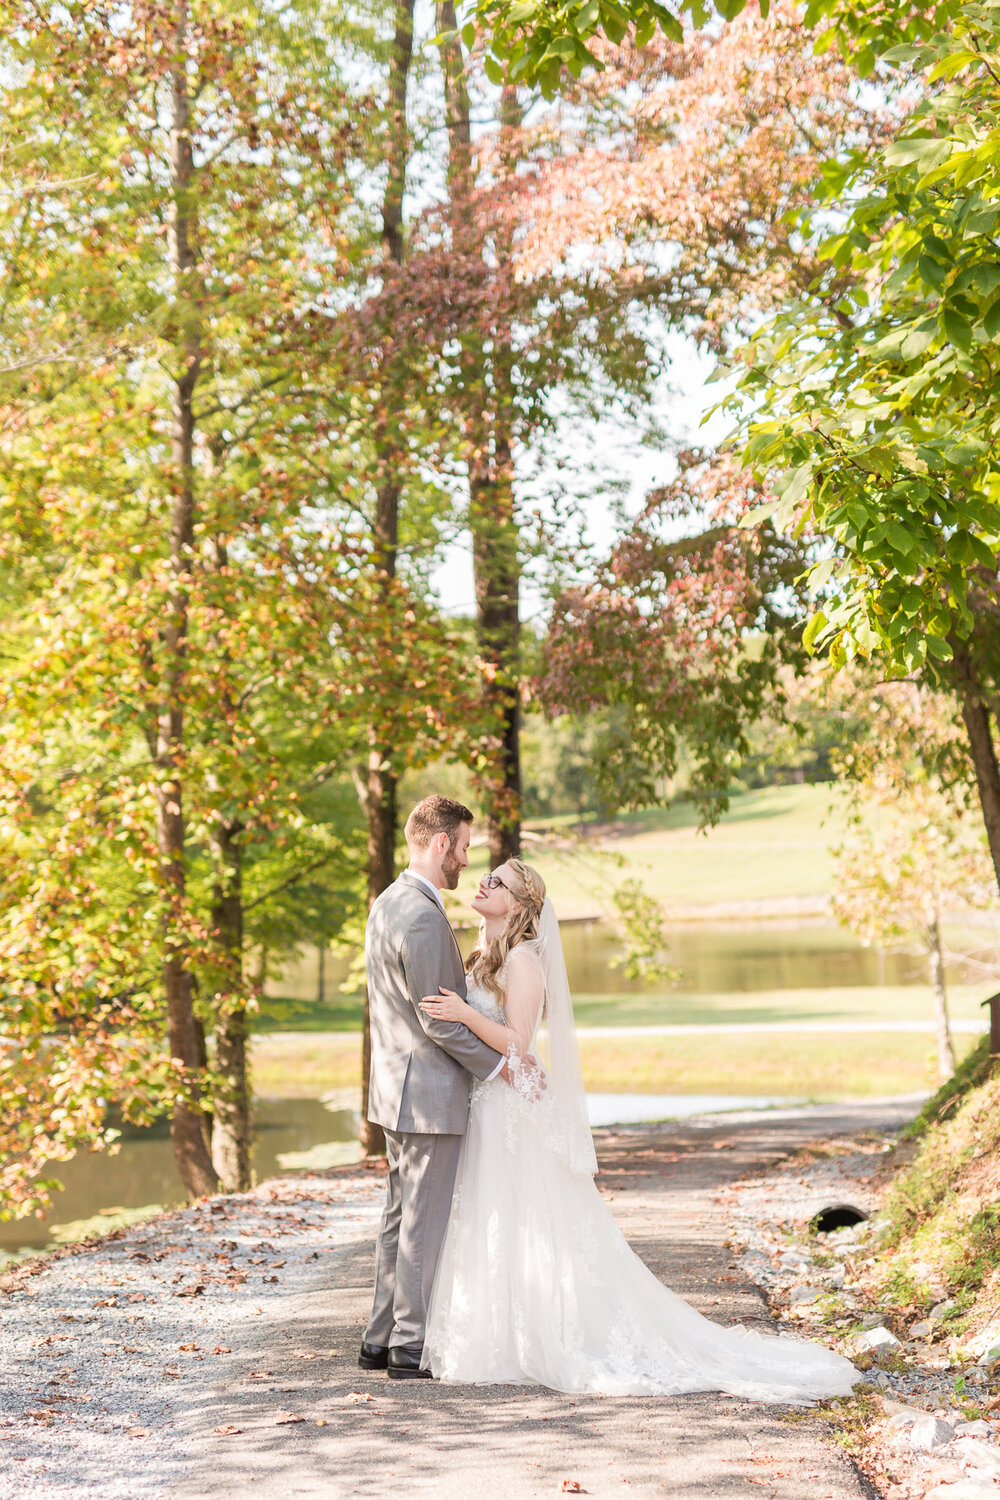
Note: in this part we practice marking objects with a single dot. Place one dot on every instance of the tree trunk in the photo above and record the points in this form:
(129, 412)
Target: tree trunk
(497, 577)
(380, 806)
(976, 716)
(188, 1131)
(935, 967)
(380, 793)
(231, 1120)
(495, 537)
(321, 974)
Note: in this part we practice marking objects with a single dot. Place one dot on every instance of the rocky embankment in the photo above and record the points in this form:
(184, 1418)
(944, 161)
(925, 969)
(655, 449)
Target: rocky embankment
(925, 1425)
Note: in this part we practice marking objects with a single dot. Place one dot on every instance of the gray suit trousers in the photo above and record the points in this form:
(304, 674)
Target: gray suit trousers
(418, 1198)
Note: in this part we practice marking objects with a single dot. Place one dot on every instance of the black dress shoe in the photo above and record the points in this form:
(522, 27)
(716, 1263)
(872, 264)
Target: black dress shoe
(373, 1356)
(404, 1364)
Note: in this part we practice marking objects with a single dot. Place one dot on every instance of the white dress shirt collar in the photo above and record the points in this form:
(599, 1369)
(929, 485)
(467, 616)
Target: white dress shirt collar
(424, 881)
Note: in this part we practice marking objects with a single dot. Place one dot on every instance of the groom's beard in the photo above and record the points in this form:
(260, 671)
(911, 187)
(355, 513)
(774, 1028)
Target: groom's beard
(450, 871)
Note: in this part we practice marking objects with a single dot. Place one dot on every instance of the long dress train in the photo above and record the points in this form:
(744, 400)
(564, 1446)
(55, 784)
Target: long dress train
(537, 1284)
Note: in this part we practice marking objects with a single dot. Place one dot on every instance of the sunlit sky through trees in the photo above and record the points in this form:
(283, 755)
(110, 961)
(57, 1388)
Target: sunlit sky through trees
(601, 471)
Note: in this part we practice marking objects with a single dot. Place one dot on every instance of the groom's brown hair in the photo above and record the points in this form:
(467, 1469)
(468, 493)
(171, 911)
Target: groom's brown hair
(435, 815)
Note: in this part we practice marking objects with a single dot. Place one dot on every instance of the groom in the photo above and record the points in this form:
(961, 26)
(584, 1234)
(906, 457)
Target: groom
(421, 1073)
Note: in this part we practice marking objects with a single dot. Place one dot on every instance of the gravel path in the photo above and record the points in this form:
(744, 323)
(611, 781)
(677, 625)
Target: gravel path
(211, 1353)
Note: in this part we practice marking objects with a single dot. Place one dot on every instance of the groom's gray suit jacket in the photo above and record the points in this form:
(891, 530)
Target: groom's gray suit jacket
(419, 1067)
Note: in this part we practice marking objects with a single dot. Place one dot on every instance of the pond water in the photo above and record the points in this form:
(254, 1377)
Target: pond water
(290, 1134)
(733, 957)
(737, 957)
(728, 957)
(143, 1171)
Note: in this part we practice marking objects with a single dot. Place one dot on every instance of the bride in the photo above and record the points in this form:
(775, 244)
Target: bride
(536, 1283)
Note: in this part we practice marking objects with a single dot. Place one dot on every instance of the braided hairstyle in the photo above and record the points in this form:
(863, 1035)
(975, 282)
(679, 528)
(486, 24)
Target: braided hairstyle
(487, 959)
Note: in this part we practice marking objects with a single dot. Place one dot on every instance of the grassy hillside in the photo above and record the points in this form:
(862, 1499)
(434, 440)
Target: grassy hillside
(939, 1230)
(771, 845)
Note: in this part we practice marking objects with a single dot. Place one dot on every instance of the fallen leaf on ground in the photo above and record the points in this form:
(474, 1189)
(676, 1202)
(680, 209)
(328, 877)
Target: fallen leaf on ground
(260, 1374)
(321, 1422)
(230, 1430)
(222, 1349)
(285, 1417)
(358, 1396)
(194, 1290)
(188, 1348)
(572, 1487)
(139, 1432)
(303, 1354)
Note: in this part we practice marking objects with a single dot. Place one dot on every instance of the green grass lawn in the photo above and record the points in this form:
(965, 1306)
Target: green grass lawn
(811, 1067)
(851, 1003)
(772, 844)
(682, 1008)
(305, 1066)
(804, 1067)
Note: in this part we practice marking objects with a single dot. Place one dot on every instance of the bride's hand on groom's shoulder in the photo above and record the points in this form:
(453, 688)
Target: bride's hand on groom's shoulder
(446, 1006)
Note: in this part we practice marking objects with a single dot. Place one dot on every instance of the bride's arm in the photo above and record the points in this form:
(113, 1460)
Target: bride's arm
(524, 1001)
(525, 993)
(449, 1006)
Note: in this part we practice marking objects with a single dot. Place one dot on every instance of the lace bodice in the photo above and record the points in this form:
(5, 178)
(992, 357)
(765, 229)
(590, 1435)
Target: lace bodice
(486, 1003)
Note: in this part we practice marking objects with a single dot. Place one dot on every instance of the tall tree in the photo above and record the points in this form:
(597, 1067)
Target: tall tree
(879, 429)
(677, 643)
(482, 240)
(915, 852)
(694, 157)
(192, 1144)
(550, 42)
(390, 461)
(183, 172)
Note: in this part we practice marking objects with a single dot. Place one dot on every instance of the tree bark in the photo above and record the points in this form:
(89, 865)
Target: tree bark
(496, 567)
(231, 1120)
(976, 716)
(188, 1128)
(492, 521)
(380, 791)
(935, 967)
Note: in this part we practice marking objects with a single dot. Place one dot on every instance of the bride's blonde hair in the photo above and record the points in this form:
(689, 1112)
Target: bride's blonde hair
(486, 960)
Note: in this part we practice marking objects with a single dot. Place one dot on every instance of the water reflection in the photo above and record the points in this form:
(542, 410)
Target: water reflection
(717, 958)
(144, 1172)
(740, 957)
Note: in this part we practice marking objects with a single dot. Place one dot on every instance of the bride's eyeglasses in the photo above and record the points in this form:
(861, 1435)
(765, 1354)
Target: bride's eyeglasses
(492, 881)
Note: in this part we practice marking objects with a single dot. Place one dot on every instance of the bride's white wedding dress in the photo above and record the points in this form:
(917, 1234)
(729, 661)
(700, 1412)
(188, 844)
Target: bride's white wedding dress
(537, 1284)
